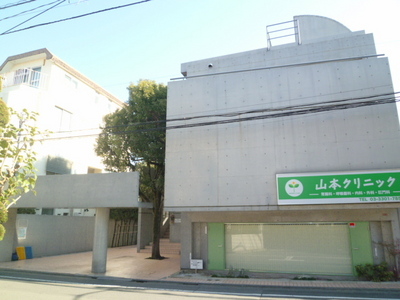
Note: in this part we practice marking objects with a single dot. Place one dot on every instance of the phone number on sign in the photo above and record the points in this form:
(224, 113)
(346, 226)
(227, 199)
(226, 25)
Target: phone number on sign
(376, 199)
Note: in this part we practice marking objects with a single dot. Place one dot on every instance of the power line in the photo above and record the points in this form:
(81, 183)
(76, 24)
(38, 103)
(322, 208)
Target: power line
(59, 2)
(239, 113)
(230, 114)
(29, 10)
(263, 110)
(277, 113)
(38, 7)
(269, 116)
(16, 4)
(76, 17)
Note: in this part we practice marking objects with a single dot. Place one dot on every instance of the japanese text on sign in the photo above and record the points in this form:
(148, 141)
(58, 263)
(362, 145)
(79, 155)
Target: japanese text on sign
(325, 188)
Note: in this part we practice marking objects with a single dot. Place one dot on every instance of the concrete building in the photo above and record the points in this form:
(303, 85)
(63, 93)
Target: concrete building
(285, 159)
(69, 104)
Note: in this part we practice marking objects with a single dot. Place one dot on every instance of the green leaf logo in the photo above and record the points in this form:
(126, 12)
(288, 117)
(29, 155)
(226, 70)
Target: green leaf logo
(294, 187)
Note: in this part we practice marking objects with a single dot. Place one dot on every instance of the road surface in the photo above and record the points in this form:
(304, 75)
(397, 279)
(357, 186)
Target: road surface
(15, 284)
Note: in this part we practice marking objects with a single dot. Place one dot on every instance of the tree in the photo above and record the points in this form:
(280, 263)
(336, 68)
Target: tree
(17, 158)
(133, 139)
(4, 114)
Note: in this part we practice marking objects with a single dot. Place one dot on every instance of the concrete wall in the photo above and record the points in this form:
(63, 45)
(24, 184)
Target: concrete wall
(226, 172)
(317, 27)
(175, 227)
(55, 235)
(109, 190)
(233, 166)
(84, 191)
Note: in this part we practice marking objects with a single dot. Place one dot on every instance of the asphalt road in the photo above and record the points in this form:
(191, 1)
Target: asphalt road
(15, 284)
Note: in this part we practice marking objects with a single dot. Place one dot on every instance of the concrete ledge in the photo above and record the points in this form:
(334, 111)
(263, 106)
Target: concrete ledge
(84, 191)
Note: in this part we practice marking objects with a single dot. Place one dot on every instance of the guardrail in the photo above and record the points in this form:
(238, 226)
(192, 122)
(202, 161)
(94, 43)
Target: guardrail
(281, 30)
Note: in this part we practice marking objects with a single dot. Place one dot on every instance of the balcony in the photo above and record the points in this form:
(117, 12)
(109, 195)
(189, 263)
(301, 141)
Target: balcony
(28, 77)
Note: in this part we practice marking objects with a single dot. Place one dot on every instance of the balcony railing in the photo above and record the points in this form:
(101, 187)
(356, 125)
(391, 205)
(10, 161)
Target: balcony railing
(29, 77)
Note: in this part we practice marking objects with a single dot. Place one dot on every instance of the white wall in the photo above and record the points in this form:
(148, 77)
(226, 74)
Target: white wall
(68, 91)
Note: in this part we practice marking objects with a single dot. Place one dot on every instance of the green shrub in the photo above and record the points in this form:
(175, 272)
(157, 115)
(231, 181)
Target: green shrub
(304, 277)
(4, 113)
(231, 274)
(26, 211)
(375, 273)
(2, 232)
(3, 214)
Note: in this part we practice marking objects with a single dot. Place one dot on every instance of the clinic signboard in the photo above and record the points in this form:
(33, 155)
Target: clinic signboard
(338, 187)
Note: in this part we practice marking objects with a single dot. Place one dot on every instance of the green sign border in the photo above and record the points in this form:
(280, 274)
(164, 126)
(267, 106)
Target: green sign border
(338, 187)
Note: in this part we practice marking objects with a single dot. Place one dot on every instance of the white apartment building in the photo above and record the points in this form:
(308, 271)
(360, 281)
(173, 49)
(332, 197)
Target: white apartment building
(69, 104)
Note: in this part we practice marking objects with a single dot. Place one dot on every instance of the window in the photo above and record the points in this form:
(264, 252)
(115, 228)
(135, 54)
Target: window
(48, 211)
(63, 119)
(30, 77)
(35, 77)
(71, 83)
(21, 76)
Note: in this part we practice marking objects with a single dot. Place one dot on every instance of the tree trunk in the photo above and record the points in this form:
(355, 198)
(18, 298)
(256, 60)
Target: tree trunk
(114, 233)
(157, 220)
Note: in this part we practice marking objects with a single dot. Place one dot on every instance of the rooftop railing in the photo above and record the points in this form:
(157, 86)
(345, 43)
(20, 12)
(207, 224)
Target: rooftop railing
(283, 30)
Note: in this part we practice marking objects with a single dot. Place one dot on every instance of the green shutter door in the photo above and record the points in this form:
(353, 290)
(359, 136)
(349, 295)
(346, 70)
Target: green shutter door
(360, 240)
(216, 246)
(319, 248)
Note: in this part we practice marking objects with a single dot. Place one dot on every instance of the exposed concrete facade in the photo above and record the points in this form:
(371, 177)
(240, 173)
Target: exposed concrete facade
(84, 190)
(237, 128)
(50, 235)
(54, 235)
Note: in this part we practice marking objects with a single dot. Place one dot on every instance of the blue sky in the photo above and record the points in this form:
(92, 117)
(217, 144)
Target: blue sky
(151, 40)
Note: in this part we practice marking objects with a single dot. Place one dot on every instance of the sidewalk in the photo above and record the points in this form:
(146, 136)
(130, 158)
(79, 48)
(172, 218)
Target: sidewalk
(122, 262)
(125, 262)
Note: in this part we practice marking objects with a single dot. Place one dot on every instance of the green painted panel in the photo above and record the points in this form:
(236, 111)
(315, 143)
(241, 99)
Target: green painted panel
(360, 241)
(216, 246)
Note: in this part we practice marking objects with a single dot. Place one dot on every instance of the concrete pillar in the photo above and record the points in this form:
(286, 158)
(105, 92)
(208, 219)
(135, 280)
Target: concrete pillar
(145, 228)
(186, 240)
(100, 243)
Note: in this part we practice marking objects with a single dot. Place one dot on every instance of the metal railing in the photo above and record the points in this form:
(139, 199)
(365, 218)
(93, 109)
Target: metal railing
(283, 30)
(27, 77)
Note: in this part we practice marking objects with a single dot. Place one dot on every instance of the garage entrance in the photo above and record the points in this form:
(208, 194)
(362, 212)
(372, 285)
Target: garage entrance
(322, 248)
